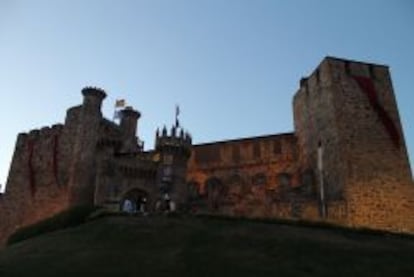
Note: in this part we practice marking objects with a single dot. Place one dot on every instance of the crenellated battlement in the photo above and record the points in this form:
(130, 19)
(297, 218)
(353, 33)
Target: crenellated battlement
(94, 91)
(176, 137)
(332, 69)
(42, 133)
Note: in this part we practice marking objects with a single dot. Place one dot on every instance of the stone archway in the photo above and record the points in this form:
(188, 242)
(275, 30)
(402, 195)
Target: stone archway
(135, 200)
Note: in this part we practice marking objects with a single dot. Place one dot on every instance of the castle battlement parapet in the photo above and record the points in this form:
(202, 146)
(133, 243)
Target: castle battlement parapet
(94, 91)
(177, 138)
(42, 132)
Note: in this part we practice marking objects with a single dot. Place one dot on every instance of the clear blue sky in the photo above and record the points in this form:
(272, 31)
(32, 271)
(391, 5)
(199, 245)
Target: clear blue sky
(233, 66)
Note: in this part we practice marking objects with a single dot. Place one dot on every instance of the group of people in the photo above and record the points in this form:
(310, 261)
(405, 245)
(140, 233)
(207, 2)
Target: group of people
(132, 207)
(165, 205)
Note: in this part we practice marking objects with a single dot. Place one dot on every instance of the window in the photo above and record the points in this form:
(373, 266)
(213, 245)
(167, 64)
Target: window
(284, 180)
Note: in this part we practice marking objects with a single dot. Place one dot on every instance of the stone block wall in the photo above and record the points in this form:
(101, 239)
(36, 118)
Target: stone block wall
(350, 108)
(52, 168)
(268, 155)
(37, 180)
(383, 203)
(365, 123)
(348, 143)
(119, 176)
(251, 177)
(315, 119)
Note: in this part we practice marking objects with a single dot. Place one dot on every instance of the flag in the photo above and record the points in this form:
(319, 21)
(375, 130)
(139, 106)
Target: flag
(119, 103)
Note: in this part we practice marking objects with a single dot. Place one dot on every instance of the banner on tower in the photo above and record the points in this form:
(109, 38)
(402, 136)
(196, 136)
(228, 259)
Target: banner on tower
(119, 103)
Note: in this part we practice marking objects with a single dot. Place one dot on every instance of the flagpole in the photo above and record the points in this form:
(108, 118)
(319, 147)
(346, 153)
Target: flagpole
(177, 112)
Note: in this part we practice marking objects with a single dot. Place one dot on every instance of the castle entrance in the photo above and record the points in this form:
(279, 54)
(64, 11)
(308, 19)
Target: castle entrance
(135, 201)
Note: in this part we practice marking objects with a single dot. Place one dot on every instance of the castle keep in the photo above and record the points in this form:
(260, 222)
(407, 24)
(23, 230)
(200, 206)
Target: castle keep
(345, 163)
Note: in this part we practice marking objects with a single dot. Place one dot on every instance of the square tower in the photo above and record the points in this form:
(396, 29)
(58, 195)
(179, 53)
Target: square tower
(348, 127)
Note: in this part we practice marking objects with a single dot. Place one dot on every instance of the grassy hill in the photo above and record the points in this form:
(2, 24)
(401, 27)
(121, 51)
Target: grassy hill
(174, 246)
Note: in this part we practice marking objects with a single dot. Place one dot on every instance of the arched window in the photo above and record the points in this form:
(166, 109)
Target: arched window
(259, 179)
(284, 180)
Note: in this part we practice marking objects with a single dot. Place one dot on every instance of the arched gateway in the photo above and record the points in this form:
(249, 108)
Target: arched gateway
(135, 200)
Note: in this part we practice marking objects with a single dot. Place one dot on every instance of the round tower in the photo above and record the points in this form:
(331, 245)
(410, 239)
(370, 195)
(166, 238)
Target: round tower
(174, 150)
(92, 98)
(83, 134)
(129, 123)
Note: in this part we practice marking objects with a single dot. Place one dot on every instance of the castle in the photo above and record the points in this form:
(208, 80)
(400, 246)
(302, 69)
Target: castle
(345, 163)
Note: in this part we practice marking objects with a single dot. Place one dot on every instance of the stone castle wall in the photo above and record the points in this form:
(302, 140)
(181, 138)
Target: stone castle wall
(350, 108)
(37, 180)
(345, 163)
(50, 168)
(246, 176)
(379, 187)
(88, 160)
(345, 112)
(257, 177)
(314, 113)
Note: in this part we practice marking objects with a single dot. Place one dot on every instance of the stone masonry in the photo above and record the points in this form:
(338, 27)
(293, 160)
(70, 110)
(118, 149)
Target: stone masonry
(345, 163)
(91, 160)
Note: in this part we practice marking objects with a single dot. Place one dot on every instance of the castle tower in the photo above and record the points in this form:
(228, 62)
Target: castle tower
(174, 150)
(349, 131)
(92, 99)
(83, 124)
(129, 122)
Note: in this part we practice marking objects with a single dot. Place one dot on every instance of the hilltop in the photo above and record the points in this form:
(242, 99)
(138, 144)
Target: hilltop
(190, 246)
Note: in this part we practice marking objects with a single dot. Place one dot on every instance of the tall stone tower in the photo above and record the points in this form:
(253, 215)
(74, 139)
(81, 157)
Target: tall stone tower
(350, 135)
(82, 129)
(174, 150)
(129, 123)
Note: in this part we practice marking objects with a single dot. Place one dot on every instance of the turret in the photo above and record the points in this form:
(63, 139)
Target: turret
(175, 141)
(174, 149)
(92, 98)
(129, 121)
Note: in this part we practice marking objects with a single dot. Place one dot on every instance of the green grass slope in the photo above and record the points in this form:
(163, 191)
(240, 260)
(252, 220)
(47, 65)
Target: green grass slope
(173, 246)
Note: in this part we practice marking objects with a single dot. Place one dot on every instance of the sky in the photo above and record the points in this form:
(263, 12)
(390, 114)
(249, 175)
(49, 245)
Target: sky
(232, 66)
